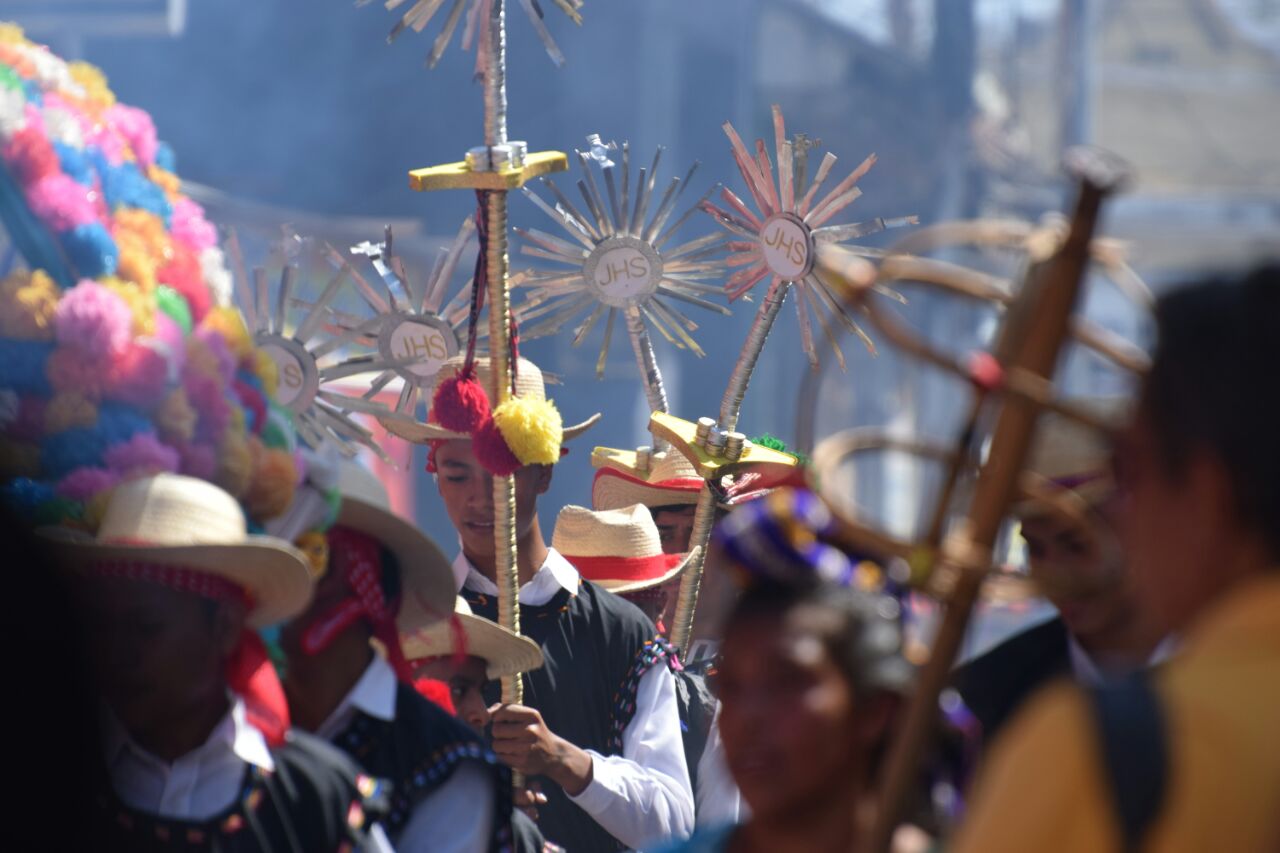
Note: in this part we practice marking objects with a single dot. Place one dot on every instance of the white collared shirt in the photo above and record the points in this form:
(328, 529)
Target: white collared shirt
(197, 786)
(458, 816)
(1089, 673)
(642, 796)
(718, 799)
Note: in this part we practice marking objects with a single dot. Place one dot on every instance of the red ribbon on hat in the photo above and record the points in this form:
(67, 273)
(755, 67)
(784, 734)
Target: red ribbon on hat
(363, 567)
(625, 568)
(249, 671)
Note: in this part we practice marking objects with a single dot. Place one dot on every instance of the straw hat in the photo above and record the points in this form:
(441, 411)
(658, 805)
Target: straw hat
(1073, 456)
(619, 549)
(671, 481)
(426, 576)
(530, 385)
(172, 520)
(504, 652)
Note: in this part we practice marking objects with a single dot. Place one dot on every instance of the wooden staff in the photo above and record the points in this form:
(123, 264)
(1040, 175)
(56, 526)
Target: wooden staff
(1036, 326)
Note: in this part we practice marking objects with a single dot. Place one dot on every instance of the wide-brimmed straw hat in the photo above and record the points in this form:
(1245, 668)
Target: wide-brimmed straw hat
(1072, 457)
(530, 385)
(504, 652)
(184, 522)
(671, 480)
(619, 549)
(426, 575)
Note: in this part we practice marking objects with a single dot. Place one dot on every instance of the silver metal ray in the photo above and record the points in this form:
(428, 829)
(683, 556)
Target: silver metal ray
(421, 12)
(776, 239)
(614, 260)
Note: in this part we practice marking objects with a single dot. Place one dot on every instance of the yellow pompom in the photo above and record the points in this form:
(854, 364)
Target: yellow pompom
(68, 410)
(19, 459)
(227, 322)
(11, 34)
(94, 83)
(175, 418)
(267, 371)
(140, 302)
(532, 430)
(235, 463)
(315, 546)
(166, 180)
(27, 304)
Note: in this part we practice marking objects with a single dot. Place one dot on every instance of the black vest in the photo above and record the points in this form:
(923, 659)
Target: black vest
(592, 643)
(417, 752)
(314, 801)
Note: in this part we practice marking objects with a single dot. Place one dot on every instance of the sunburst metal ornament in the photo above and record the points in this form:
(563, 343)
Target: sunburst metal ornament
(788, 224)
(417, 331)
(421, 13)
(618, 260)
(307, 356)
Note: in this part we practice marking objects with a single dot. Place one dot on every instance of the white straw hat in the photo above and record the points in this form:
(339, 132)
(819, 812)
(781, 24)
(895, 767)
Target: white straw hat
(530, 385)
(1074, 457)
(426, 576)
(619, 549)
(504, 652)
(184, 522)
(670, 481)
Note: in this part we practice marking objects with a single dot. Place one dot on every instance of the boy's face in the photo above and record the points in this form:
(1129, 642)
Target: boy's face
(675, 527)
(467, 491)
(466, 687)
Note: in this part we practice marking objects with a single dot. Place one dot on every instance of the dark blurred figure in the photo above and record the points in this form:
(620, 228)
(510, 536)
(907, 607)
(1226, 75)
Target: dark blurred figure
(1078, 564)
(1188, 758)
(54, 751)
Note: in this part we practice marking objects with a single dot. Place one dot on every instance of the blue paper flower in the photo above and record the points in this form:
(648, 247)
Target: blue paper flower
(22, 366)
(126, 186)
(91, 250)
(75, 164)
(24, 496)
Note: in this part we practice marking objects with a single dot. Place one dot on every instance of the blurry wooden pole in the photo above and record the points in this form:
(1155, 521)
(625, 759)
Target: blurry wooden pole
(1036, 326)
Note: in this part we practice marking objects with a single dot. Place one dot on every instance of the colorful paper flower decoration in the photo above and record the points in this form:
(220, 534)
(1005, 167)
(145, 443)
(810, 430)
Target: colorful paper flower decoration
(119, 353)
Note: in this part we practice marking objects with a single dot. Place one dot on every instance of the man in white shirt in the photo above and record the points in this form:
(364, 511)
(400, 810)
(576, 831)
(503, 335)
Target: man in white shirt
(606, 739)
(170, 590)
(448, 792)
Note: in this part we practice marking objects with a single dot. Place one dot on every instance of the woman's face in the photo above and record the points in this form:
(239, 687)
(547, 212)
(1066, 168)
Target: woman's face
(789, 722)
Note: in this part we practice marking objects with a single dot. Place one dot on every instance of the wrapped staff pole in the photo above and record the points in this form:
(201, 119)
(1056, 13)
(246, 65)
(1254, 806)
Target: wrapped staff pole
(717, 438)
(774, 235)
(504, 489)
(1037, 325)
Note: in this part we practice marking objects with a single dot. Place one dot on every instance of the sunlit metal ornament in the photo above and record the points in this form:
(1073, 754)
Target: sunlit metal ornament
(418, 331)
(789, 223)
(308, 357)
(617, 260)
(478, 13)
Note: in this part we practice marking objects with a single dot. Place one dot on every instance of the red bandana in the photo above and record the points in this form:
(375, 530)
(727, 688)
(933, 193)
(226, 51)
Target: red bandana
(363, 564)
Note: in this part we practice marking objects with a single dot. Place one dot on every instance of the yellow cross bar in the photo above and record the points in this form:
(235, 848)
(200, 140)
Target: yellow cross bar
(459, 176)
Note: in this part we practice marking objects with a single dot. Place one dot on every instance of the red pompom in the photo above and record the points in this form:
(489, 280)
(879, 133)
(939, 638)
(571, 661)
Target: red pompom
(437, 692)
(139, 376)
(183, 273)
(492, 452)
(460, 404)
(31, 156)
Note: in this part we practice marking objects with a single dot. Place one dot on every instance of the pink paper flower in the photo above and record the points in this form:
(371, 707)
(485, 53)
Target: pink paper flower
(143, 454)
(168, 336)
(190, 227)
(199, 460)
(61, 203)
(93, 319)
(70, 369)
(83, 483)
(136, 127)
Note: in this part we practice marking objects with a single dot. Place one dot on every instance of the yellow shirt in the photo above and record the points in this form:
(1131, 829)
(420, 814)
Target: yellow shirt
(1045, 787)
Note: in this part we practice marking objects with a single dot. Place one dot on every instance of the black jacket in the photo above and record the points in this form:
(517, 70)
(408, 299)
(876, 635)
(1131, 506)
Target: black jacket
(995, 684)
